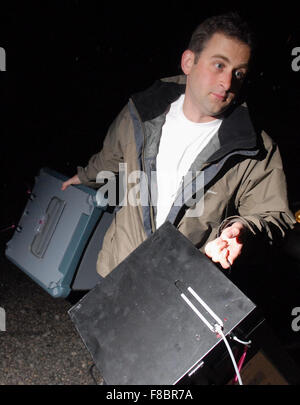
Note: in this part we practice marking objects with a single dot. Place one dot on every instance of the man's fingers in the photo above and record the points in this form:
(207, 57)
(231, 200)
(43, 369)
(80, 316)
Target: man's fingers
(226, 248)
(222, 258)
(65, 185)
(233, 231)
(73, 180)
(223, 252)
(213, 249)
(230, 233)
(226, 261)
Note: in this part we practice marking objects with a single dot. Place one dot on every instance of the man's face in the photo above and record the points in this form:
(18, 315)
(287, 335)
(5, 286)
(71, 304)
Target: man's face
(214, 81)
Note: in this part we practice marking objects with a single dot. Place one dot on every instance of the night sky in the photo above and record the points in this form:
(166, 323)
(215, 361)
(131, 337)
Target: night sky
(71, 66)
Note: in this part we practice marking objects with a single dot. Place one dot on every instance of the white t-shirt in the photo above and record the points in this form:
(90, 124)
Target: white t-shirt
(181, 142)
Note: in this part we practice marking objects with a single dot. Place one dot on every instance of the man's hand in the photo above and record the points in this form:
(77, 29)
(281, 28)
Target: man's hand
(73, 180)
(228, 246)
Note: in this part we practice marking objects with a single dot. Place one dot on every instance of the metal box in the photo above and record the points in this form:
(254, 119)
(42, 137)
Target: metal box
(53, 232)
(137, 326)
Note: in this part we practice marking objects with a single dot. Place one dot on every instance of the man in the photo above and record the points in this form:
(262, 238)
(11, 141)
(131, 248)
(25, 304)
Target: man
(189, 124)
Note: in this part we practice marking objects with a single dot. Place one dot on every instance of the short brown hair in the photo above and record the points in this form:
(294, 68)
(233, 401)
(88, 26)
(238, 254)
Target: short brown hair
(230, 24)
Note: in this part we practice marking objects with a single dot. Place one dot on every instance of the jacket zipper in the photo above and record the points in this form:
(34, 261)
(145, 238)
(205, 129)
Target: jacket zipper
(204, 165)
(193, 178)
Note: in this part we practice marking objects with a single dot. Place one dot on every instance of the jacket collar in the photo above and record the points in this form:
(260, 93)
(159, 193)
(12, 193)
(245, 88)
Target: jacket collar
(236, 132)
(156, 99)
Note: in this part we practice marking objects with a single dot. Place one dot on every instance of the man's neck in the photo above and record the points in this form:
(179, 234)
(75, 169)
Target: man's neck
(194, 115)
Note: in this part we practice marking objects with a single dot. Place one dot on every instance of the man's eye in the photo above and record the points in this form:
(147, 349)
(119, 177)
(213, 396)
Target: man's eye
(219, 65)
(239, 75)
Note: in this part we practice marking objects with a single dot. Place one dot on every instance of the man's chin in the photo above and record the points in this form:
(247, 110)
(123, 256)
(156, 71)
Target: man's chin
(221, 111)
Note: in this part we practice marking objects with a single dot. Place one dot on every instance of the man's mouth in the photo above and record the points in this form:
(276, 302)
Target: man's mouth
(220, 96)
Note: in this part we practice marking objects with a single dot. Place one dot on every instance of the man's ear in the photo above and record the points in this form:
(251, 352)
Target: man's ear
(187, 61)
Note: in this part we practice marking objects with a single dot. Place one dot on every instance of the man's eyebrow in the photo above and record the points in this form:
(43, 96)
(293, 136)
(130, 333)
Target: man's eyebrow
(219, 56)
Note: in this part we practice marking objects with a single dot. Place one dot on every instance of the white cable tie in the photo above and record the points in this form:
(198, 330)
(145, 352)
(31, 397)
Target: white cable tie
(214, 328)
(241, 341)
(192, 306)
(208, 309)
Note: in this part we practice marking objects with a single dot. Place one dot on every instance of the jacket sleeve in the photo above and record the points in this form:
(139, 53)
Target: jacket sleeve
(261, 201)
(111, 154)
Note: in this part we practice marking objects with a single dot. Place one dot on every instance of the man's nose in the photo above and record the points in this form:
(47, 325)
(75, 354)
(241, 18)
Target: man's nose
(226, 80)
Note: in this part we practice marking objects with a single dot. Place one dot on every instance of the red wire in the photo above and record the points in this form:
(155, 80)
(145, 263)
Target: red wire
(241, 362)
